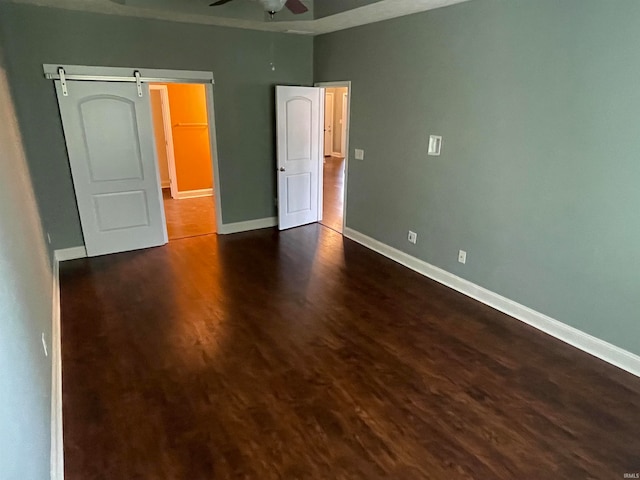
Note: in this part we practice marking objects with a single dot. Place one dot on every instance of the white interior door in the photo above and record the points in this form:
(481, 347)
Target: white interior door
(109, 135)
(328, 123)
(299, 119)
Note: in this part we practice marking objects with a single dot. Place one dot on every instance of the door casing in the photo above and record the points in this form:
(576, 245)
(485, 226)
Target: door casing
(329, 99)
(346, 129)
(343, 126)
(168, 135)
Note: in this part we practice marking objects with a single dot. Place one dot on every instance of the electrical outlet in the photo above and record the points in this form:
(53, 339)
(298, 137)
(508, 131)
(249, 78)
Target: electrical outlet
(462, 256)
(44, 346)
(359, 154)
(412, 237)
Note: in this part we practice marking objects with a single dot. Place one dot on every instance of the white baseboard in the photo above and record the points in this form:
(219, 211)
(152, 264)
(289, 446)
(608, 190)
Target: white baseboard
(598, 348)
(205, 192)
(57, 447)
(228, 228)
(72, 253)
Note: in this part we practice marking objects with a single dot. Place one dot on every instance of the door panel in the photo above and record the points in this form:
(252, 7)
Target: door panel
(299, 116)
(299, 129)
(115, 211)
(109, 160)
(109, 135)
(297, 198)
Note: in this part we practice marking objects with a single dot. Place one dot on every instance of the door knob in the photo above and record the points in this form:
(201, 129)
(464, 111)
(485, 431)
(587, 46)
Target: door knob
(282, 169)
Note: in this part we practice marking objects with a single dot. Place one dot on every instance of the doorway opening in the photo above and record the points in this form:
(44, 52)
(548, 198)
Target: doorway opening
(107, 122)
(336, 137)
(183, 148)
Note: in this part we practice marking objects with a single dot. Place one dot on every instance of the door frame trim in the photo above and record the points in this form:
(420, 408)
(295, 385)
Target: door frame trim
(347, 134)
(343, 129)
(168, 135)
(326, 153)
(150, 75)
(213, 148)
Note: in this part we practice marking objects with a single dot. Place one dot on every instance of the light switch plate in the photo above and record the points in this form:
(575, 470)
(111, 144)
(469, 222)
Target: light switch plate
(359, 154)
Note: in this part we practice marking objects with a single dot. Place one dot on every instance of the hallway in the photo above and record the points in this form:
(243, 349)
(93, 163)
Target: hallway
(333, 193)
(189, 217)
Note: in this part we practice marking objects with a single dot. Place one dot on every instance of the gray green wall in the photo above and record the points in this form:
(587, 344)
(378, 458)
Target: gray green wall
(539, 179)
(25, 311)
(239, 59)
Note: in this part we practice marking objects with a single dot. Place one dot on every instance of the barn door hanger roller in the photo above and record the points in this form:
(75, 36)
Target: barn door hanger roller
(63, 77)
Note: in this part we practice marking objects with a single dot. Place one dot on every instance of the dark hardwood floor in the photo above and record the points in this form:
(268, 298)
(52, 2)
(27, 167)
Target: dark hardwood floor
(333, 193)
(189, 217)
(302, 355)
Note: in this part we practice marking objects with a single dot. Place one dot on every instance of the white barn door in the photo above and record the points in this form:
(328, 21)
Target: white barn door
(109, 134)
(300, 135)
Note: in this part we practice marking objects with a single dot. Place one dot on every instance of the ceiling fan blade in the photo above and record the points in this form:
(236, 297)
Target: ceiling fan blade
(220, 2)
(296, 7)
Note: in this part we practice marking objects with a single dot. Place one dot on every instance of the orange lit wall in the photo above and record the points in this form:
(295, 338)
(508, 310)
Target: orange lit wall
(190, 136)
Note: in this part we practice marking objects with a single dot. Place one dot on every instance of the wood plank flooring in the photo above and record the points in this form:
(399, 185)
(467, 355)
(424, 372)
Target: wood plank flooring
(189, 217)
(302, 355)
(333, 193)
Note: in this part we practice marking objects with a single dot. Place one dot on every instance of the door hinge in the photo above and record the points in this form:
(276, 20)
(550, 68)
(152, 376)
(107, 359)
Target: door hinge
(63, 82)
(275, 202)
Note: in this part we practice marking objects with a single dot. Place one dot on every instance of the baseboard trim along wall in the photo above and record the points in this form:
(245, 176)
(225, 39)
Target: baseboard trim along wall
(206, 192)
(57, 447)
(257, 224)
(72, 253)
(598, 348)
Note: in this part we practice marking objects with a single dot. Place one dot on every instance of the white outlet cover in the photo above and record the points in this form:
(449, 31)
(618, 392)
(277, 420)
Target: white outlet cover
(412, 237)
(462, 256)
(359, 154)
(435, 145)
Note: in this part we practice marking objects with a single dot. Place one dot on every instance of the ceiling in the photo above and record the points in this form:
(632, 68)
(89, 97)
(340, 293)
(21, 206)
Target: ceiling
(327, 16)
